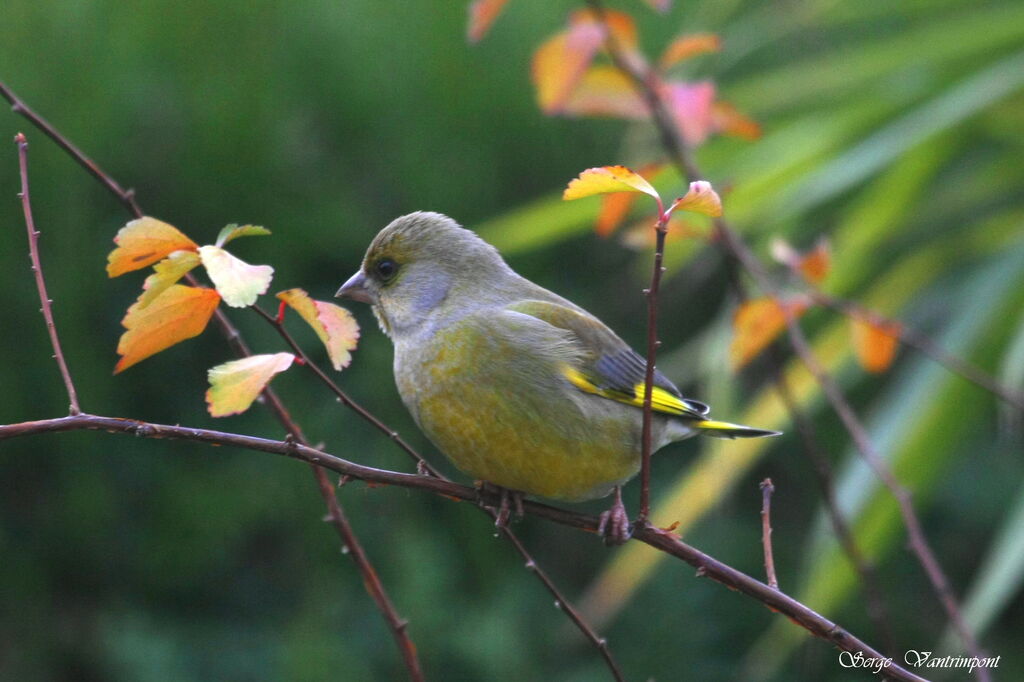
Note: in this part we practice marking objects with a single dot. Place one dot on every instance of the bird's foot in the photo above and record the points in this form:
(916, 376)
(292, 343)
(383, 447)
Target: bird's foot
(508, 501)
(613, 525)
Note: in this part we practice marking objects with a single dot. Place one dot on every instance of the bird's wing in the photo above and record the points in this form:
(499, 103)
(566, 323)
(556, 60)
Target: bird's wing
(609, 367)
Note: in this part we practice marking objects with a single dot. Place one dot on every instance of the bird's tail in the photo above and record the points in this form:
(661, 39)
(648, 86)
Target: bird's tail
(709, 427)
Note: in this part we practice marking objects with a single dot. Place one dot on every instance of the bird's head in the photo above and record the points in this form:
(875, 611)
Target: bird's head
(420, 267)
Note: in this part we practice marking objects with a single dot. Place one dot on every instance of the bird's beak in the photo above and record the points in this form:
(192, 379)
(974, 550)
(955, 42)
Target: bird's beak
(355, 288)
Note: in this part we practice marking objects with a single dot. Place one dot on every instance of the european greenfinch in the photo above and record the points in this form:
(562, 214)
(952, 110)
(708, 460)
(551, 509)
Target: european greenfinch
(517, 386)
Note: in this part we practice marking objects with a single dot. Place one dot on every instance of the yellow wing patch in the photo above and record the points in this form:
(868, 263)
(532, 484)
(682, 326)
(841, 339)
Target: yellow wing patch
(661, 400)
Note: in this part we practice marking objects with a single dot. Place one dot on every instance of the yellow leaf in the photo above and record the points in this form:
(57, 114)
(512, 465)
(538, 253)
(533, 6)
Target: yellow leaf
(177, 314)
(756, 324)
(482, 14)
(605, 91)
(605, 180)
(236, 384)
(143, 242)
(685, 47)
(165, 273)
(335, 326)
(239, 283)
(560, 62)
(875, 343)
(701, 198)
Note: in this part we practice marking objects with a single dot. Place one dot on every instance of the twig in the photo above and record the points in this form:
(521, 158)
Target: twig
(923, 343)
(125, 196)
(645, 85)
(766, 532)
(234, 338)
(600, 642)
(660, 539)
(651, 294)
(874, 602)
(37, 270)
(425, 468)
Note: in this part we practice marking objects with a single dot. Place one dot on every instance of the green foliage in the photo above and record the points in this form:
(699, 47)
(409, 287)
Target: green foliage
(892, 128)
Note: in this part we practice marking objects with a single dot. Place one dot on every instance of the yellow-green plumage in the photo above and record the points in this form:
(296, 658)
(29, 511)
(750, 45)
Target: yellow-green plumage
(514, 384)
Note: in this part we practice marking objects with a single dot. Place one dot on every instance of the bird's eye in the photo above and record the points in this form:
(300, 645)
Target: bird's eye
(386, 268)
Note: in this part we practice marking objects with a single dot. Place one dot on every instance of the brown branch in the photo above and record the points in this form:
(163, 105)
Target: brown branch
(651, 294)
(646, 85)
(37, 270)
(335, 514)
(923, 343)
(659, 539)
(125, 196)
(874, 602)
(424, 468)
(766, 532)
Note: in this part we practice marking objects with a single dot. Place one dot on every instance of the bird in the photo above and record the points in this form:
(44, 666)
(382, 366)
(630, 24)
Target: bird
(518, 387)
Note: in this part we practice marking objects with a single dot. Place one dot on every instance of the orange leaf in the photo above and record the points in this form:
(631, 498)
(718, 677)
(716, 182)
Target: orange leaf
(559, 64)
(813, 266)
(143, 242)
(605, 91)
(236, 384)
(335, 326)
(608, 179)
(756, 324)
(725, 118)
(482, 14)
(690, 104)
(177, 314)
(701, 198)
(875, 343)
(685, 47)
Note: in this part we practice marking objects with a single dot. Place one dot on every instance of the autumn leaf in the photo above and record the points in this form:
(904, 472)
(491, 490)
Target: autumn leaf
(165, 273)
(813, 266)
(239, 283)
(605, 91)
(235, 231)
(143, 242)
(615, 207)
(482, 14)
(335, 326)
(686, 47)
(690, 104)
(236, 384)
(177, 314)
(756, 324)
(727, 119)
(701, 198)
(608, 179)
(560, 62)
(875, 343)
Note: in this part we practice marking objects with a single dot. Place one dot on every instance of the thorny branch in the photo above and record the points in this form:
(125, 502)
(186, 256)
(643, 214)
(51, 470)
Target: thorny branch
(37, 270)
(767, 488)
(646, 86)
(661, 540)
(335, 514)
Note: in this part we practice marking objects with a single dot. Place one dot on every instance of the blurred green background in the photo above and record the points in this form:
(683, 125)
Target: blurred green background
(893, 128)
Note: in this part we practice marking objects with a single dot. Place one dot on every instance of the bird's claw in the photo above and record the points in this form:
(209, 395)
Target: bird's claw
(613, 525)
